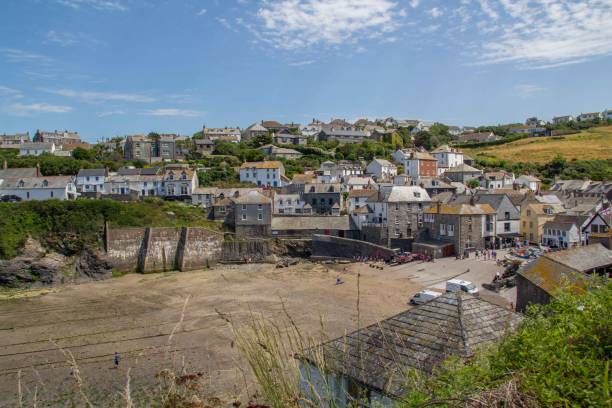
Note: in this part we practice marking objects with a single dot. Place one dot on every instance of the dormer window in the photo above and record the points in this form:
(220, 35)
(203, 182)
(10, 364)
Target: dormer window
(45, 183)
(184, 176)
(21, 183)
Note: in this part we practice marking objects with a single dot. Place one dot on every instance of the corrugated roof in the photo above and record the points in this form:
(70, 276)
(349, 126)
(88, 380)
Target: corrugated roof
(422, 338)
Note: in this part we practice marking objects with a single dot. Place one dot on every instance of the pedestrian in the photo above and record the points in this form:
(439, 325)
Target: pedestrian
(497, 276)
(477, 254)
(339, 281)
(494, 255)
(117, 359)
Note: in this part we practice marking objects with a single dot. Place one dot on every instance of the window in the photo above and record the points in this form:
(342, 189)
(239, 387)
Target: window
(260, 217)
(259, 207)
(530, 224)
(507, 215)
(243, 217)
(529, 213)
(506, 227)
(442, 229)
(244, 207)
(451, 230)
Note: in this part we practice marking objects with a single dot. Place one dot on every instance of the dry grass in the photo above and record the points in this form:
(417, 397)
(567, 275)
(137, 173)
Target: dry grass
(595, 143)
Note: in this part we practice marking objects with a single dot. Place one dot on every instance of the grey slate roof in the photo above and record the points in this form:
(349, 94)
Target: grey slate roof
(422, 337)
(92, 173)
(18, 172)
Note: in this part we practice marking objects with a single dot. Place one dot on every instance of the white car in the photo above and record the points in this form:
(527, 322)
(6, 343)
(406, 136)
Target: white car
(458, 285)
(423, 297)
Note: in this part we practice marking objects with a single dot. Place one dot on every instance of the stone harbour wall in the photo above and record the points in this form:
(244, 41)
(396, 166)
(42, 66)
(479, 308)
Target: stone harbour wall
(336, 247)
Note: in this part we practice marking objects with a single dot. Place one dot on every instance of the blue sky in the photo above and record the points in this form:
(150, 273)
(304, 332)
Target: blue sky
(115, 67)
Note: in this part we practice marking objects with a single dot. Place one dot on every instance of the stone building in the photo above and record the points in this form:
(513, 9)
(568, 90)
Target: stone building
(252, 215)
(324, 198)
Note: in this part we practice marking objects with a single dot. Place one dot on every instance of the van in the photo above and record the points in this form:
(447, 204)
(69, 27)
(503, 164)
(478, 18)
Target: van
(423, 297)
(458, 285)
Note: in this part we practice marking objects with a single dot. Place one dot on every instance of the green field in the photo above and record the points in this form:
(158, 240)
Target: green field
(590, 144)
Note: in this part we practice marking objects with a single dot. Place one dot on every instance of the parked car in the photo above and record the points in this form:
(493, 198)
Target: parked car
(10, 198)
(457, 285)
(423, 297)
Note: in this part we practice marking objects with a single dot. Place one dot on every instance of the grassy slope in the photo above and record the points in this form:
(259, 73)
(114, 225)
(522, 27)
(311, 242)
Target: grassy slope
(595, 143)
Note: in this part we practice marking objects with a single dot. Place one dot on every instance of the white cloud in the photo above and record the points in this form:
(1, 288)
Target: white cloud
(295, 24)
(10, 93)
(95, 96)
(201, 12)
(435, 12)
(549, 33)
(63, 39)
(301, 63)
(173, 112)
(414, 3)
(528, 90)
(20, 109)
(20, 56)
(108, 5)
(110, 113)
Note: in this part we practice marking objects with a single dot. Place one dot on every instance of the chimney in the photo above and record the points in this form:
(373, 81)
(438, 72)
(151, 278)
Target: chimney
(5, 165)
(37, 169)
(438, 206)
(472, 200)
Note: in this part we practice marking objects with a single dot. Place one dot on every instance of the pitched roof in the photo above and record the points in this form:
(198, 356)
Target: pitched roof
(421, 338)
(36, 182)
(92, 173)
(407, 194)
(18, 172)
(252, 197)
(268, 164)
(463, 168)
(364, 192)
(461, 209)
(583, 258)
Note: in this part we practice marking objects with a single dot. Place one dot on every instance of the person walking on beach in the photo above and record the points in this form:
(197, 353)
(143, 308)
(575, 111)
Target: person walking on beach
(117, 359)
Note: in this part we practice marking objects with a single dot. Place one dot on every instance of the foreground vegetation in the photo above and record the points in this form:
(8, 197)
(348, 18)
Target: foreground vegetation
(559, 357)
(70, 226)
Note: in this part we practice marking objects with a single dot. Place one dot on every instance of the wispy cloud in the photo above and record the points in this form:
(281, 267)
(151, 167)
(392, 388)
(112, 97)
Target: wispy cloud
(547, 33)
(295, 24)
(435, 12)
(110, 113)
(301, 63)
(96, 96)
(201, 12)
(66, 39)
(174, 112)
(528, 90)
(107, 5)
(10, 93)
(21, 56)
(20, 109)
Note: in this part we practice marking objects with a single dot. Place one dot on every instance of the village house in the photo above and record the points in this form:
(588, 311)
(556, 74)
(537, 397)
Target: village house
(59, 138)
(312, 129)
(537, 282)
(381, 170)
(226, 134)
(91, 180)
(38, 188)
(589, 116)
(422, 127)
(528, 130)
(528, 181)
(179, 181)
(284, 137)
(558, 234)
(462, 173)
(447, 157)
(434, 185)
(252, 215)
(265, 173)
(204, 146)
(607, 114)
(206, 196)
(533, 217)
(478, 137)
(457, 228)
(36, 149)
(420, 164)
(534, 121)
(559, 120)
(128, 181)
(14, 139)
(330, 172)
(253, 131)
(324, 198)
(357, 183)
(342, 135)
(497, 179)
(508, 216)
(367, 368)
(400, 155)
(359, 198)
(396, 216)
(289, 204)
(273, 151)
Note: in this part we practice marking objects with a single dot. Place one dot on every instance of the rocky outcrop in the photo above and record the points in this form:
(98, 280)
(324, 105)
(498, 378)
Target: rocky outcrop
(36, 267)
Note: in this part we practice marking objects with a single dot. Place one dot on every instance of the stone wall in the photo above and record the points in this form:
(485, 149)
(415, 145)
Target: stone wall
(257, 250)
(162, 249)
(336, 247)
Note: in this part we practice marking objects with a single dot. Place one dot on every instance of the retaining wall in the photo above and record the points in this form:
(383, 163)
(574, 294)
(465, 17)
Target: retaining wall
(255, 249)
(336, 247)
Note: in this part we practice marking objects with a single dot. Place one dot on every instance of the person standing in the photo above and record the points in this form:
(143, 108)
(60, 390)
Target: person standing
(117, 359)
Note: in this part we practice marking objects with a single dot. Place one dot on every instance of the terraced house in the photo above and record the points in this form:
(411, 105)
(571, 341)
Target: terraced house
(265, 173)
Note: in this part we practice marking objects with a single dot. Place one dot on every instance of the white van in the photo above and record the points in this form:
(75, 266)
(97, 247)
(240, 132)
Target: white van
(457, 285)
(424, 296)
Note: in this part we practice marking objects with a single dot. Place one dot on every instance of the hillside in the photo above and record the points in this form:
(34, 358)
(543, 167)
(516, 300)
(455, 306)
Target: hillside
(590, 144)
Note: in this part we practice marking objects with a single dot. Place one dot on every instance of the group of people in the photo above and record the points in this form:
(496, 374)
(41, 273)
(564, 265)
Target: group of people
(487, 254)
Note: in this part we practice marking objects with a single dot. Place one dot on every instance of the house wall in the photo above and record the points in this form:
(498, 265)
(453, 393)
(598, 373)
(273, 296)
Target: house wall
(37, 194)
(528, 293)
(325, 206)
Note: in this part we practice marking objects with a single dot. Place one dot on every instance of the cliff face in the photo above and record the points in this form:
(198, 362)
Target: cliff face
(37, 267)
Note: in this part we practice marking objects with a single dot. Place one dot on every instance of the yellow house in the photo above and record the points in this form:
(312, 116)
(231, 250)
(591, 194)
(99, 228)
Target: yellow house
(533, 218)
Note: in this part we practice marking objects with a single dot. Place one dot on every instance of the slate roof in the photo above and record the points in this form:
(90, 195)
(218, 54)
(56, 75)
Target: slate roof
(310, 188)
(18, 172)
(37, 182)
(422, 337)
(463, 168)
(461, 209)
(400, 194)
(252, 197)
(92, 173)
(583, 258)
(268, 164)
(364, 192)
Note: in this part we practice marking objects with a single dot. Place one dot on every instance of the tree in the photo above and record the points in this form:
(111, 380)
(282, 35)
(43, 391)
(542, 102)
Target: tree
(423, 139)
(472, 184)
(82, 154)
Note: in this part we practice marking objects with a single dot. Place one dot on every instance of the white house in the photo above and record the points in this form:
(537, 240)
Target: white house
(607, 114)
(36, 149)
(400, 155)
(39, 188)
(557, 120)
(561, 234)
(497, 179)
(447, 157)
(179, 180)
(265, 173)
(530, 182)
(358, 183)
(381, 169)
(288, 204)
(91, 180)
(589, 116)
